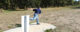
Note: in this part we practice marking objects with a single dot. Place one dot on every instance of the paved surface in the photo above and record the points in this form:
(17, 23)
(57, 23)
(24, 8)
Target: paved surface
(34, 28)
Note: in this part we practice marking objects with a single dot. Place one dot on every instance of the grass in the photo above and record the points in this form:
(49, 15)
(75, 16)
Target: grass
(1, 31)
(18, 25)
(77, 5)
(52, 13)
(74, 5)
(49, 30)
(7, 11)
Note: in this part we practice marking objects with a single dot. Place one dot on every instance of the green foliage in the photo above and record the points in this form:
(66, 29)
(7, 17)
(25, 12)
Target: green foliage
(18, 25)
(23, 4)
(49, 30)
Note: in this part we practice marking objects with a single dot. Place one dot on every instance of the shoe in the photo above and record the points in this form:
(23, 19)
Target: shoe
(38, 23)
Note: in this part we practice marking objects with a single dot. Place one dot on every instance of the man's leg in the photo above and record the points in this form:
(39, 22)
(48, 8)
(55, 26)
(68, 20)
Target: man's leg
(37, 20)
(35, 16)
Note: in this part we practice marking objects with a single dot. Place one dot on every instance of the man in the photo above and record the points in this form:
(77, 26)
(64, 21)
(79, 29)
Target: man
(36, 13)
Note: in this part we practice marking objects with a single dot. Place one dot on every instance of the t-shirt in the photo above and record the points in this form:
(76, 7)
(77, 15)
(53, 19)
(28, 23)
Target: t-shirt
(37, 11)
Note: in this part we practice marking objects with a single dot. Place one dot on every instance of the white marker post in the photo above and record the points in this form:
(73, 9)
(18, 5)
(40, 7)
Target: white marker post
(25, 23)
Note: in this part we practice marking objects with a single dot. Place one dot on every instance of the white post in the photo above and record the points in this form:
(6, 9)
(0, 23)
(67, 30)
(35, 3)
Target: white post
(25, 23)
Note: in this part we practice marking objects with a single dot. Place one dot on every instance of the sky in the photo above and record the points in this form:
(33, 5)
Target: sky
(76, 0)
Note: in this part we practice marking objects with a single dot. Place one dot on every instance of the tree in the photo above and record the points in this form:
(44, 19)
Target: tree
(23, 4)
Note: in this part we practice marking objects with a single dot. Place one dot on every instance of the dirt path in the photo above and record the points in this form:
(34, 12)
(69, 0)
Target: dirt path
(66, 20)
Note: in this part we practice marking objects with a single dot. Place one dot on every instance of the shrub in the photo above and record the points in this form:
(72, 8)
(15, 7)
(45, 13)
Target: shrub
(49, 30)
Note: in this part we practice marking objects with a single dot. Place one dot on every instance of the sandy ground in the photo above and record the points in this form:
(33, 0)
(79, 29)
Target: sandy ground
(65, 19)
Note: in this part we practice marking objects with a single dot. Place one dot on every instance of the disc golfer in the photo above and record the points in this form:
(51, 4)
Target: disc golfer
(37, 11)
